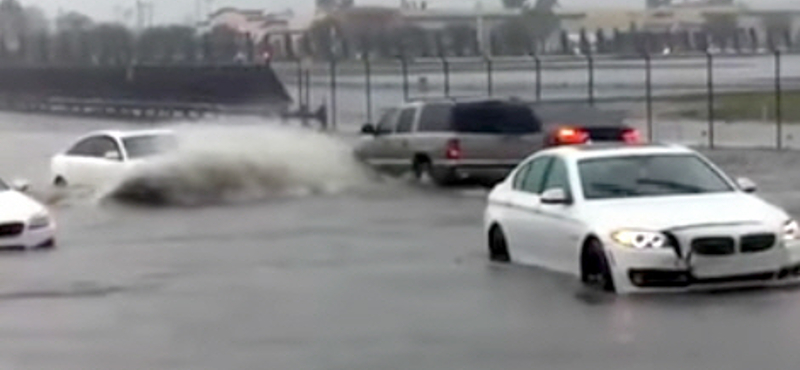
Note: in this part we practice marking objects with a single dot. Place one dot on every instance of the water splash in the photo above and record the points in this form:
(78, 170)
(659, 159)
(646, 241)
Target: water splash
(217, 164)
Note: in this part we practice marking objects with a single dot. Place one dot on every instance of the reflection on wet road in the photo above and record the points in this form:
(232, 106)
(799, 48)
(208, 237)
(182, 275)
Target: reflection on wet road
(390, 276)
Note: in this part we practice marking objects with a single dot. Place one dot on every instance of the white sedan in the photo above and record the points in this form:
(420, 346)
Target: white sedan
(640, 218)
(24, 223)
(104, 156)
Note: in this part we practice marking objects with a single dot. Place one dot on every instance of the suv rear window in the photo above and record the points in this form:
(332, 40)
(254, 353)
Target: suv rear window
(495, 118)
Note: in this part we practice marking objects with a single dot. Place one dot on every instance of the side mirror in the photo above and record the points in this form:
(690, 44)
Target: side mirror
(112, 155)
(556, 196)
(21, 186)
(747, 185)
(368, 129)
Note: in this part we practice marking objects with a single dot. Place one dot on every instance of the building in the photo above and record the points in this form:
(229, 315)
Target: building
(273, 33)
(693, 17)
(426, 30)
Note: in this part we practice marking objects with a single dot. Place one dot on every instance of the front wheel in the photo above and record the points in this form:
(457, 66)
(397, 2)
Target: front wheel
(595, 269)
(498, 246)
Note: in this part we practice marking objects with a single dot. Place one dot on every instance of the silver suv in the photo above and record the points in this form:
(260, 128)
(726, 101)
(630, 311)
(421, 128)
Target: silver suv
(478, 140)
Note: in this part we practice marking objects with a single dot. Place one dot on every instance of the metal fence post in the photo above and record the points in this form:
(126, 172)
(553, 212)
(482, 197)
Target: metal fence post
(368, 89)
(308, 89)
(590, 60)
(538, 77)
(299, 82)
(404, 67)
(711, 110)
(648, 66)
(778, 100)
(489, 75)
(446, 71)
(334, 110)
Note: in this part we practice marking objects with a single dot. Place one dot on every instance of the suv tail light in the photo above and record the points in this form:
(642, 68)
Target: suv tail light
(453, 149)
(631, 136)
(569, 136)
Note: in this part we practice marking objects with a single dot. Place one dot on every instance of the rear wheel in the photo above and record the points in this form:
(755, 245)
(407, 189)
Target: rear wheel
(60, 182)
(595, 269)
(498, 247)
(424, 172)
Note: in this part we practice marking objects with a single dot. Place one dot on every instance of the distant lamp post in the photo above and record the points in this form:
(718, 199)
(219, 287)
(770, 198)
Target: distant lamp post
(481, 29)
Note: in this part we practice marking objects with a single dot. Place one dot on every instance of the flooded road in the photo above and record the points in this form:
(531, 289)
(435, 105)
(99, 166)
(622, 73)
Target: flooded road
(383, 275)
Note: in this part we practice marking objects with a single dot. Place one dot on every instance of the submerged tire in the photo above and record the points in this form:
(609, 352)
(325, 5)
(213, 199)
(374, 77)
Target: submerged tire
(423, 170)
(595, 269)
(498, 246)
(59, 182)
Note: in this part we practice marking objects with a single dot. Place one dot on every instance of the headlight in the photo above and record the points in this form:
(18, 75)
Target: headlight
(791, 230)
(39, 221)
(640, 239)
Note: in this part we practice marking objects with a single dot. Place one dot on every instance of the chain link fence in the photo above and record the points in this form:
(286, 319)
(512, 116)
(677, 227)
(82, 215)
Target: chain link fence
(700, 99)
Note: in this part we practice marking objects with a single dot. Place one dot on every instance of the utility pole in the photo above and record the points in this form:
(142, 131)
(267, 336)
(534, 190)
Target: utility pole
(481, 28)
(139, 16)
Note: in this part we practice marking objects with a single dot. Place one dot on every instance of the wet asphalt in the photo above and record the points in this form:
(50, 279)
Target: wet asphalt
(390, 276)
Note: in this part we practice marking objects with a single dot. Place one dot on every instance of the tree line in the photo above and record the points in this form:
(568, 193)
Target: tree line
(27, 37)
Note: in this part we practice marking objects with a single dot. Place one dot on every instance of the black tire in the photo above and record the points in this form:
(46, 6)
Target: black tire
(595, 269)
(498, 247)
(422, 168)
(60, 182)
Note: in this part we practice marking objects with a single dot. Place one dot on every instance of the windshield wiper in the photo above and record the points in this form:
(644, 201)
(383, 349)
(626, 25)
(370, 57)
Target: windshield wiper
(672, 185)
(615, 189)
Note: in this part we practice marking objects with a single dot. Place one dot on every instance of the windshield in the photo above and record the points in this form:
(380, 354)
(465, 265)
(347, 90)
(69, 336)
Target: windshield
(647, 176)
(495, 118)
(149, 145)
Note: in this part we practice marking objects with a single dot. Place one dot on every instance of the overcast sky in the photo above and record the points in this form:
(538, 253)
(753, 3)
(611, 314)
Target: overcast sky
(182, 10)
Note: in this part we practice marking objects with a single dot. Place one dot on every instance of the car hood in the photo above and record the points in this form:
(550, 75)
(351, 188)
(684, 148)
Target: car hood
(664, 213)
(15, 206)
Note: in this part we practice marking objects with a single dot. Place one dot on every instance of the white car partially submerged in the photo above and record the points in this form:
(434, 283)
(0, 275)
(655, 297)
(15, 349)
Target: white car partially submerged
(103, 156)
(640, 218)
(24, 223)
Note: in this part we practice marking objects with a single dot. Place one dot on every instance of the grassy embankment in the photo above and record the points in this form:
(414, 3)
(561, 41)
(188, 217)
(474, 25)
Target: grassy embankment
(751, 107)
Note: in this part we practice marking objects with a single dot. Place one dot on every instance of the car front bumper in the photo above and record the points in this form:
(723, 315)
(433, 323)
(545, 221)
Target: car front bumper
(663, 271)
(30, 239)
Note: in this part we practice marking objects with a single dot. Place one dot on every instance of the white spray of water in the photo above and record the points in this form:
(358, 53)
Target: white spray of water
(217, 164)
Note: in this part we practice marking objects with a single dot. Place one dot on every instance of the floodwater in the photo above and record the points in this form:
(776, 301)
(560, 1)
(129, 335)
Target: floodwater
(310, 262)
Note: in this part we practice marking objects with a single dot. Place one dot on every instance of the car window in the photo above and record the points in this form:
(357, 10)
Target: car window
(557, 176)
(96, 146)
(436, 118)
(651, 175)
(534, 177)
(83, 148)
(495, 118)
(406, 120)
(149, 145)
(519, 178)
(104, 145)
(387, 122)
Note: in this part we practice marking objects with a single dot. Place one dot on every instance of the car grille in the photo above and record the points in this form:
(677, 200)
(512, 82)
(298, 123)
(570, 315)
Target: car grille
(714, 246)
(757, 243)
(11, 229)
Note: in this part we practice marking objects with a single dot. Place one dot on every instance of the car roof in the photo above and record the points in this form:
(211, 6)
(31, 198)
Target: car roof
(122, 134)
(603, 150)
(466, 100)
